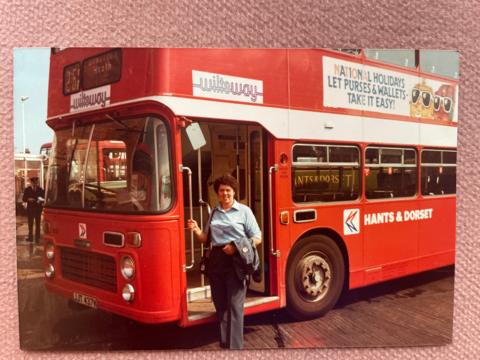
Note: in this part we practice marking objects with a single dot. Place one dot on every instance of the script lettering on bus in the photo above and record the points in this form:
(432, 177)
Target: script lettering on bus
(217, 84)
(94, 98)
(231, 87)
(396, 217)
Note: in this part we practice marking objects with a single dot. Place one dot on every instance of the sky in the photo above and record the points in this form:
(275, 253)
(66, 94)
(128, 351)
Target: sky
(30, 78)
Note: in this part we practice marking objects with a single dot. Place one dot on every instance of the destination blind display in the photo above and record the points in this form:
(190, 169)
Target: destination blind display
(102, 69)
(93, 72)
(71, 79)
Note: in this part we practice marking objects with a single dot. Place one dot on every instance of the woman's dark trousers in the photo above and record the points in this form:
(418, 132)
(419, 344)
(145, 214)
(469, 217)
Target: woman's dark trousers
(228, 293)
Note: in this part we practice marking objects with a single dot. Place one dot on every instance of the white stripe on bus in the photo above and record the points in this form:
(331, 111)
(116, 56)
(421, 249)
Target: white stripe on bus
(311, 125)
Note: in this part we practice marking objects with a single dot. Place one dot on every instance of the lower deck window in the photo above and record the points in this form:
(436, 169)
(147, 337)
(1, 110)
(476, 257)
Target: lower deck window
(439, 172)
(390, 182)
(390, 172)
(325, 173)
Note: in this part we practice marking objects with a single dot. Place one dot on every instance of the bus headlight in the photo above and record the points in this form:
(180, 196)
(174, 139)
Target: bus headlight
(50, 251)
(128, 293)
(50, 271)
(127, 267)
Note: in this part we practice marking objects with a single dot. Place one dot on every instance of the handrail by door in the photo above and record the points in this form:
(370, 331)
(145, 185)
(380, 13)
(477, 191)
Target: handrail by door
(202, 249)
(207, 205)
(84, 169)
(200, 201)
(190, 201)
(272, 169)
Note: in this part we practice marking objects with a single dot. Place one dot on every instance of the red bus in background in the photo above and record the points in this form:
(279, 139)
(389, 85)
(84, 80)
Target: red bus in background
(111, 161)
(348, 163)
(46, 149)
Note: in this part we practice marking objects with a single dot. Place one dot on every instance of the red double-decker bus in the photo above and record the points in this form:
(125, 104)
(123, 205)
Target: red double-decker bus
(347, 162)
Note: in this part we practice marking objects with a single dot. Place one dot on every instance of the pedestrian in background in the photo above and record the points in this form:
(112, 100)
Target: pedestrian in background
(230, 222)
(34, 197)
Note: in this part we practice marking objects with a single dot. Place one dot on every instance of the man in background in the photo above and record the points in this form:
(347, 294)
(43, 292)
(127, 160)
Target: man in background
(34, 197)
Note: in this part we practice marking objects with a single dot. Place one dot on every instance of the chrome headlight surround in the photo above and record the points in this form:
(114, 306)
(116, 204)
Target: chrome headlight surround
(128, 293)
(49, 271)
(127, 267)
(50, 251)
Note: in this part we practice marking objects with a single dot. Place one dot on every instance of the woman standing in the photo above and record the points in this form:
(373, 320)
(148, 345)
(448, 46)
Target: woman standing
(230, 221)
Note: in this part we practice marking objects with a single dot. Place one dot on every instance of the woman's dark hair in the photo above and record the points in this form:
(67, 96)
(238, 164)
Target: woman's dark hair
(228, 180)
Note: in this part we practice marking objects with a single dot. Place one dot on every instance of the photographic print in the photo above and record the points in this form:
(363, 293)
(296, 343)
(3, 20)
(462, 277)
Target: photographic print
(235, 198)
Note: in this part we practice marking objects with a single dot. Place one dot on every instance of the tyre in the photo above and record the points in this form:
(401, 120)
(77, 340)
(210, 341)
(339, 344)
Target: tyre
(315, 277)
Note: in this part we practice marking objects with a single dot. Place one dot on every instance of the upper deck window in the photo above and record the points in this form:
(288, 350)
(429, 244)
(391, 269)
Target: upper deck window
(393, 56)
(350, 51)
(440, 62)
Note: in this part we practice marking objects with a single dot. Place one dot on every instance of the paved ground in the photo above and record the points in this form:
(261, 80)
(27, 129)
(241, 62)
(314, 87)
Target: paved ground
(412, 311)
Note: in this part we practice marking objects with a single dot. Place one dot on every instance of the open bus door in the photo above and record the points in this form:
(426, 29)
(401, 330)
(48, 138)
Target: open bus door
(227, 149)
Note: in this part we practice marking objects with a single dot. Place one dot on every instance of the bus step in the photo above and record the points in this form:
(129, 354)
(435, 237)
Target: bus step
(198, 293)
(201, 309)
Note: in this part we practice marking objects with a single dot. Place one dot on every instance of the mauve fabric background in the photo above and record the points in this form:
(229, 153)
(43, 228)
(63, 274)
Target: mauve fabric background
(439, 24)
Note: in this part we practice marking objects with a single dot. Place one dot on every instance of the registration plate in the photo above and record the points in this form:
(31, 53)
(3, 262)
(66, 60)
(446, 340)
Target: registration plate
(85, 300)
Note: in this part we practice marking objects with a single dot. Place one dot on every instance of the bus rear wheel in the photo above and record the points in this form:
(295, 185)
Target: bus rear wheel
(315, 277)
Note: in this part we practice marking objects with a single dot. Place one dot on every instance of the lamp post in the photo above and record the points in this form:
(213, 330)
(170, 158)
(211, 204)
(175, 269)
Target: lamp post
(23, 99)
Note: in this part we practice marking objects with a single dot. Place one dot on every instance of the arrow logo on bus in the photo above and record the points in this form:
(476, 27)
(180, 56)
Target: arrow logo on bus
(82, 231)
(351, 221)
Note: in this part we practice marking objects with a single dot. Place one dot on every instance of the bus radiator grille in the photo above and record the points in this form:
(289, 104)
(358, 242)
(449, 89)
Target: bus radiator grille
(89, 268)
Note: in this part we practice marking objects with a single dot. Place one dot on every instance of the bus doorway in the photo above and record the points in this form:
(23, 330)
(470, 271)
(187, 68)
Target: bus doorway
(229, 149)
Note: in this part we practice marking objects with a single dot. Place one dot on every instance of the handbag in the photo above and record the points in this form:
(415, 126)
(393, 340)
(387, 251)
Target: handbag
(206, 251)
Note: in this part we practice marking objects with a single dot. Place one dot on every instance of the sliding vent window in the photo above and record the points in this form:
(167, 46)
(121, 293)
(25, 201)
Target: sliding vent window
(390, 172)
(439, 169)
(325, 173)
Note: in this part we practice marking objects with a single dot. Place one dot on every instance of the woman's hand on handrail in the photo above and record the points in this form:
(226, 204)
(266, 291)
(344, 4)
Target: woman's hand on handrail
(192, 225)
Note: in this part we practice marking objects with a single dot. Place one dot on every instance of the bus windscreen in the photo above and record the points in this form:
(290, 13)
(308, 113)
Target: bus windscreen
(116, 166)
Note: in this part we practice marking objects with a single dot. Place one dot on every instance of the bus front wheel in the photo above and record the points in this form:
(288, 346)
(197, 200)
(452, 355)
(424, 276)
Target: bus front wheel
(315, 277)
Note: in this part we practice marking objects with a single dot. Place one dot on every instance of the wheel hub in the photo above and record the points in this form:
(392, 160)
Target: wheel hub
(315, 275)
